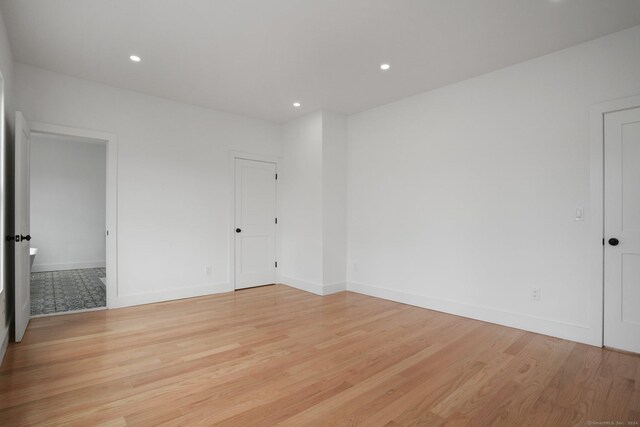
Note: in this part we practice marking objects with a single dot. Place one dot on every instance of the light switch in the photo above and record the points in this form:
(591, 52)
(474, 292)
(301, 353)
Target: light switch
(579, 214)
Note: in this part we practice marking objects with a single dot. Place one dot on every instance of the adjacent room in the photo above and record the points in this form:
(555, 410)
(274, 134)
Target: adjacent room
(320, 212)
(68, 247)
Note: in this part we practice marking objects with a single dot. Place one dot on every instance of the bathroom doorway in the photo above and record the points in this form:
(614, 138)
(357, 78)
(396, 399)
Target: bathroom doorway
(60, 191)
(68, 224)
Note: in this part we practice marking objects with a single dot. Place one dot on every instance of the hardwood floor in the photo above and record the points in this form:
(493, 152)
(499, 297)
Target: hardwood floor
(274, 355)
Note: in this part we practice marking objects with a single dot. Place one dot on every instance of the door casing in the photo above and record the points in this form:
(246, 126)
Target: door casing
(596, 231)
(233, 155)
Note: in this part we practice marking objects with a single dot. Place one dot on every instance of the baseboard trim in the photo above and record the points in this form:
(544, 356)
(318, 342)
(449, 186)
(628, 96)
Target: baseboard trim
(334, 288)
(174, 294)
(314, 288)
(5, 344)
(553, 328)
(303, 285)
(39, 268)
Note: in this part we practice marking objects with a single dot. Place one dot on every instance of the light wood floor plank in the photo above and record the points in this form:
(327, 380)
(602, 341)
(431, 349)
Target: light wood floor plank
(279, 356)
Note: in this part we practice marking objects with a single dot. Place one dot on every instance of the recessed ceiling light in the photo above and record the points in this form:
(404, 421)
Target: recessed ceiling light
(385, 67)
(296, 104)
(135, 58)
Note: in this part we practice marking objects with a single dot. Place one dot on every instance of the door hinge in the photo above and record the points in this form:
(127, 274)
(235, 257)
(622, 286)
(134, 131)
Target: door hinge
(276, 177)
(276, 264)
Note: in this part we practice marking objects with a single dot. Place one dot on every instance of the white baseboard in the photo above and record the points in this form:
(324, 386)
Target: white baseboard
(568, 331)
(334, 288)
(5, 344)
(38, 268)
(303, 285)
(168, 295)
(314, 288)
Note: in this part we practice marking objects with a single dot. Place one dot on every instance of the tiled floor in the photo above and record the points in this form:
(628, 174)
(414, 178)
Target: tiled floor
(60, 291)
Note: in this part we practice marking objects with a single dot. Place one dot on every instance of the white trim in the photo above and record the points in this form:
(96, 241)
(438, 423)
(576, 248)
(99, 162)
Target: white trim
(38, 268)
(170, 295)
(6, 311)
(3, 204)
(569, 331)
(303, 285)
(233, 155)
(334, 288)
(112, 197)
(596, 231)
(314, 288)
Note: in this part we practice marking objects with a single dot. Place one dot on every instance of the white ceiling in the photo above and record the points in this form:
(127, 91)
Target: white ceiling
(255, 57)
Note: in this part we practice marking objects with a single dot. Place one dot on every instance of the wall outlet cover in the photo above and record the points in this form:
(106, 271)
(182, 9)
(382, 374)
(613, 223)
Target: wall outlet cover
(535, 294)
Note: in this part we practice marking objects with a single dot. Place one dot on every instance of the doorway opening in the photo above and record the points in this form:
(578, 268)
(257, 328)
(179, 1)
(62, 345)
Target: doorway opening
(68, 188)
(25, 131)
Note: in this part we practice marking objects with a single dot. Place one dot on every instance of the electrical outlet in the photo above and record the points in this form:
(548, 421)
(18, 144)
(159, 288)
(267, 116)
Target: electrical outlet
(208, 270)
(535, 294)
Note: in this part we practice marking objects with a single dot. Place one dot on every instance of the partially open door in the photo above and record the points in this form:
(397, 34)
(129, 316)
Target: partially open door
(22, 226)
(255, 222)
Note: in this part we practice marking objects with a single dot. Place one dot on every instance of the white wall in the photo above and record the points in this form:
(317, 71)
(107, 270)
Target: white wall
(6, 179)
(68, 194)
(462, 199)
(300, 203)
(6, 68)
(334, 176)
(173, 178)
(313, 203)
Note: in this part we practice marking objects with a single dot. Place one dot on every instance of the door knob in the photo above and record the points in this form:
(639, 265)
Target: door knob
(27, 237)
(613, 241)
(238, 230)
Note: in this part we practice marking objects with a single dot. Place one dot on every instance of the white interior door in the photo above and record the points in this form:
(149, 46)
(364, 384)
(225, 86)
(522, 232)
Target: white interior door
(622, 230)
(255, 223)
(22, 226)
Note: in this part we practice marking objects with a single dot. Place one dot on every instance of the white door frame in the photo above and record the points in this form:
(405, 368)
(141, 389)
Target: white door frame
(596, 232)
(112, 195)
(3, 207)
(233, 155)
